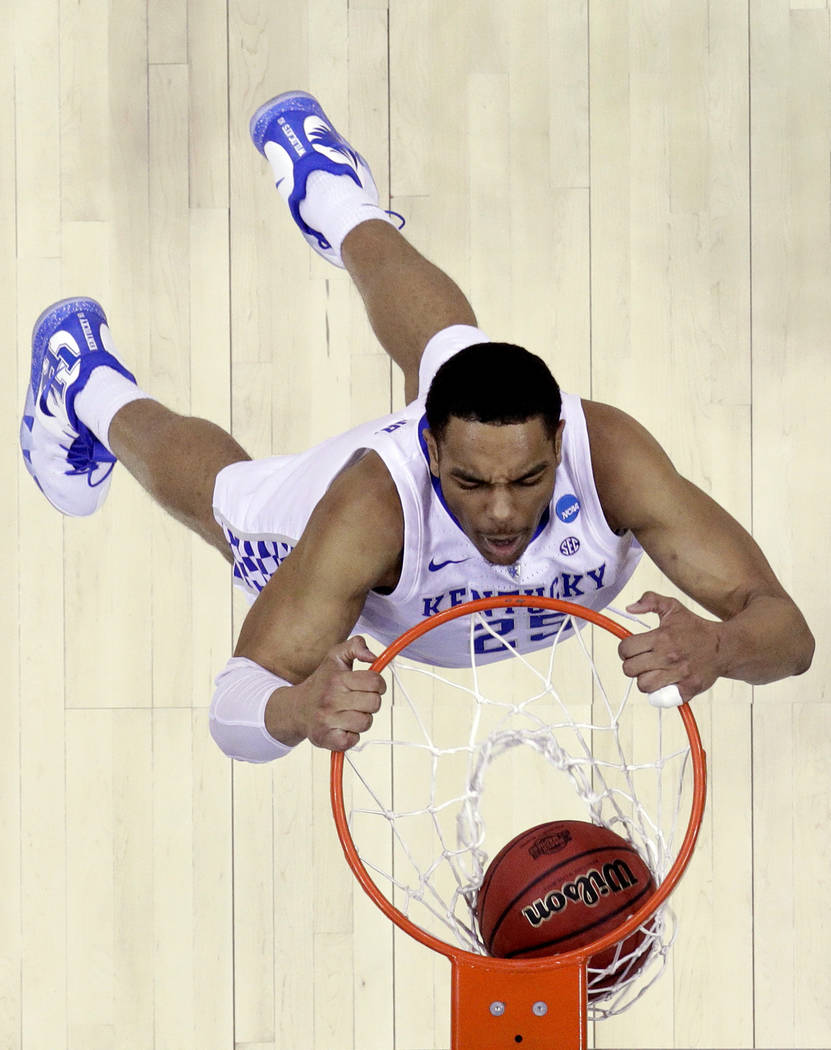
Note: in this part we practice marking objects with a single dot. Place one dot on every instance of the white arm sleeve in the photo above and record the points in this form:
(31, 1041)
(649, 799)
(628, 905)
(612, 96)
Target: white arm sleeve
(238, 711)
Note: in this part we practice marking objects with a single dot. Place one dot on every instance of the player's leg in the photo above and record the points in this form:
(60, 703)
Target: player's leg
(84, 412)
(176, 459)
(333, 199)
(407, 298)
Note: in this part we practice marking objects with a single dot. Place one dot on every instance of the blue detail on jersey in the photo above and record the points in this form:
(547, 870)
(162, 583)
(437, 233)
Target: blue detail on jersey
(433, 567)
(256, 561)
(571, 586)
(393, 427)
(536, 624)
(566, 585)
(568, 507)
(596, 575)
(569, 546)
(422, 426)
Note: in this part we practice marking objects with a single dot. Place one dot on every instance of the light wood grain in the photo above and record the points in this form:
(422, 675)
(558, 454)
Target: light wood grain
(637, 191)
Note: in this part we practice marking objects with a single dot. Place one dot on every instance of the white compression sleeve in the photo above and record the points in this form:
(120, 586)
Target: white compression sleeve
(237, 716)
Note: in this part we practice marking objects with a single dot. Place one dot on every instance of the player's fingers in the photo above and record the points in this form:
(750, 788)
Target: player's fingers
(670, 662)
(343, 654)
(651, 601)
(342, 730)
(367, 701)
(365, 682)
(652, 681)
(354, 721)
(355, 648)
(636, 644)
(642, 663)
(338, 740)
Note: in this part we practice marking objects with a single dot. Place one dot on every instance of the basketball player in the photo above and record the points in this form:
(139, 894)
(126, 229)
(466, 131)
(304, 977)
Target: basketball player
(489, 481)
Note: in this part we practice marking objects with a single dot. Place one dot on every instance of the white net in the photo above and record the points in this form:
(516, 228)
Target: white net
(462, 761)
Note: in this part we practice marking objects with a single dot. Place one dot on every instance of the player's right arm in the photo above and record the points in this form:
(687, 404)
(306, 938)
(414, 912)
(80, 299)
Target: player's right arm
(298, 627)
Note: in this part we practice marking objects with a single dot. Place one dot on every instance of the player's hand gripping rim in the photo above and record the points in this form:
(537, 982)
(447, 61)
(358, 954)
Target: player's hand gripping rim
(337, 703)
(676, 660)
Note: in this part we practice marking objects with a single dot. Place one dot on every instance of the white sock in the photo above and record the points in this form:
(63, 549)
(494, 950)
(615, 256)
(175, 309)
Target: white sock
(106, 391)
(335, 205)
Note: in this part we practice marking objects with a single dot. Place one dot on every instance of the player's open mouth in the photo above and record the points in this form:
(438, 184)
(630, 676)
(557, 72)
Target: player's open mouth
(504, 547)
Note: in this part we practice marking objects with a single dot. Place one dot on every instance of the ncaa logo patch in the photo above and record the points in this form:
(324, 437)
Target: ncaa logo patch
(568, 507)
(570, 545)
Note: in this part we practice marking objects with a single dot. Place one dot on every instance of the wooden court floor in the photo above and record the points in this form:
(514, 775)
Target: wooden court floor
(638, 190)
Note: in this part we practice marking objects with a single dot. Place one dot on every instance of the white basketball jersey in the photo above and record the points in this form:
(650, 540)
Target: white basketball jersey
(574, 555)
(263, 507)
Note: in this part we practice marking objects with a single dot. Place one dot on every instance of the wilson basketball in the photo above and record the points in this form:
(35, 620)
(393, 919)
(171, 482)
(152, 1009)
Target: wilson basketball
(559, 886)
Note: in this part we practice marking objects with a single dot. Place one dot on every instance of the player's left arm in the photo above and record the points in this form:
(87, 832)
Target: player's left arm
(760, 635)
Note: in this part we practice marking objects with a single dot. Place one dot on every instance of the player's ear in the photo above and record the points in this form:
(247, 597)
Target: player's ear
(558, 441)
(433, 450)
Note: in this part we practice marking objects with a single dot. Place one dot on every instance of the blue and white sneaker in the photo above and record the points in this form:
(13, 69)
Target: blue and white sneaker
(70, 465)
(297, 137)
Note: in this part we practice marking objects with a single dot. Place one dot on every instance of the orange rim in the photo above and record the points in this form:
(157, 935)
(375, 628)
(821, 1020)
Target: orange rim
(577, 956)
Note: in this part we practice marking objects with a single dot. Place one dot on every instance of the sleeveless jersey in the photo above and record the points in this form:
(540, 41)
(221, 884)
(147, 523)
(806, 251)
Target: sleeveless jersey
(263, 506)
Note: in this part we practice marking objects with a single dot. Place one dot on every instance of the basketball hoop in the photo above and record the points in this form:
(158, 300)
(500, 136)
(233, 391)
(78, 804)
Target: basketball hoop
(430, 850)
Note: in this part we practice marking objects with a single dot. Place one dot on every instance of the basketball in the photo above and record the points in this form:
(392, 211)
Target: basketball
(559, 886)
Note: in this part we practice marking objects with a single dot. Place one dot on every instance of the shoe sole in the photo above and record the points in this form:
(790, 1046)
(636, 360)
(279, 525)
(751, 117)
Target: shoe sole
(53, 316)
(26, 429)
(27, 443)
(66, 307)
(266, 109)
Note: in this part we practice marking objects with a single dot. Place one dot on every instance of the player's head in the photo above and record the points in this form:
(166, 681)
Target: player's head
(495, 439)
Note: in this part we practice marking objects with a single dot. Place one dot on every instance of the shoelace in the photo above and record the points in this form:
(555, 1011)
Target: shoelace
(81, 457)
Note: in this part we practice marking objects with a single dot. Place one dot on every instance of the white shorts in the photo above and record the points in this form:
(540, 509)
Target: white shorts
(263, 505)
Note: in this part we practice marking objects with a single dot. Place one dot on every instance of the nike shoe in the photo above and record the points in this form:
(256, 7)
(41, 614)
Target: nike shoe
(69, 464)
(297, 138)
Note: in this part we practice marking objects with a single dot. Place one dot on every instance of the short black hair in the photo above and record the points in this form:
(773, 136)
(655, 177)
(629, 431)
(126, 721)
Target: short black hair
(493, 383)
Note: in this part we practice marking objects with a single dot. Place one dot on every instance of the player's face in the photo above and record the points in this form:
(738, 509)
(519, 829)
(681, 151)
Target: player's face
(497, 480)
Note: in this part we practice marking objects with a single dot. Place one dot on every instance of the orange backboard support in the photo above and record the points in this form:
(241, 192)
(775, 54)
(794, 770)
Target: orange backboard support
(498, 1009)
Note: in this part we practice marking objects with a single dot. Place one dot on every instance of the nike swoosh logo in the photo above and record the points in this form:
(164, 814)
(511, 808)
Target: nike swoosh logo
(450, 561)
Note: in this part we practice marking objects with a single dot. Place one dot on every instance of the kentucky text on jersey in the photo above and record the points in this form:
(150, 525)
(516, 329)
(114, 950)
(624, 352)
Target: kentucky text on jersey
(521, 627)
(568, 587)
